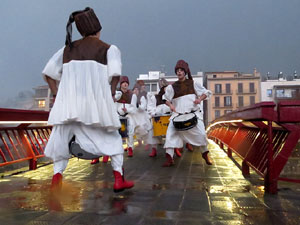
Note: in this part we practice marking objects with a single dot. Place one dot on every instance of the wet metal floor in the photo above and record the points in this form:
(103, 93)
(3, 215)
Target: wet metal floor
(188, 193)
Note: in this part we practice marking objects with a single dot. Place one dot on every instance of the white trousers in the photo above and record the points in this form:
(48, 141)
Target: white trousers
(116, 163)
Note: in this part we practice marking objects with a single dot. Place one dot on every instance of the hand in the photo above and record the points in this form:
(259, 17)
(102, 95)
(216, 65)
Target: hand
(124, 109)
(172, 107)
(197, 101)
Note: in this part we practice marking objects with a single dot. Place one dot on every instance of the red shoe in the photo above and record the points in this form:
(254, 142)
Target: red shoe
(207, 158)
(153, 153)
(105, 159)
(169, 162)
(189, 147)
(56, 182)
(95, 161)
(120, 183)
(177, 152)
(130, 152)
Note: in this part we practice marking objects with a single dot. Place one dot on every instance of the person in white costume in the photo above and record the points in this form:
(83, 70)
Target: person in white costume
(88, 71)
(144, 127)
(157, 107)
(126, 107)
(156, 103)
(185, 96)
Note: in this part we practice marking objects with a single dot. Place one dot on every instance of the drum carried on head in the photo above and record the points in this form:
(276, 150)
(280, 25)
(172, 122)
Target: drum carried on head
(123, 130)
(185, 121)
(160, 125)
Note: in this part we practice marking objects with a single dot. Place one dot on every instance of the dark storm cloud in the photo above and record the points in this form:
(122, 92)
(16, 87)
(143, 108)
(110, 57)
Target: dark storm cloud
(212, 35)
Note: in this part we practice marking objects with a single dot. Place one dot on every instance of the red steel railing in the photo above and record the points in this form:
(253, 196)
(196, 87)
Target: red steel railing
(23, 136)
(261, 136)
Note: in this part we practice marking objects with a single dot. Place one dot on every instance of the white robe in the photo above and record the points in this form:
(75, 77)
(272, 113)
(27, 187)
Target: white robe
(144, 128)
(185, 104)
(154, 110)
(129, 115)
(84, 103)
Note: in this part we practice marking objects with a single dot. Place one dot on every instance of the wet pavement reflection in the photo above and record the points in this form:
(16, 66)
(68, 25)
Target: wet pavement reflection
(188, 193)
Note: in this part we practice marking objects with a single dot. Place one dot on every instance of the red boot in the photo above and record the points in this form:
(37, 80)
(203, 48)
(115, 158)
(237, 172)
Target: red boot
(120, 183)
(169, 162)
(105, 159)
(56, 182)
(206, 158)
(130, 152)
(95, 161)
(153, 153)
(189, 147)
(177, 152)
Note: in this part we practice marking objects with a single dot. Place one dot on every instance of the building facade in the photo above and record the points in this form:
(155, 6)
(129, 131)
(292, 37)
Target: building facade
(280, 89)
(43, 99)
(231, 90)
(151, 79)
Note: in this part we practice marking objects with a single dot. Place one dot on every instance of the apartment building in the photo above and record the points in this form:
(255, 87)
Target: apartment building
(280, 89)
(42, 98)
(151, 79)
(231, 90)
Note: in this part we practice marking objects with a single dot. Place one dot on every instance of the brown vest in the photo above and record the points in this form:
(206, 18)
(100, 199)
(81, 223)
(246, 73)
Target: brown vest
(183, 88)
(126, 97)
(159, 100)
(88, 48)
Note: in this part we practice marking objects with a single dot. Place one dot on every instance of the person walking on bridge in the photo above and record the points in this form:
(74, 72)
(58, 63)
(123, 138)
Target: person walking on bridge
(88, 71)
(183, 97)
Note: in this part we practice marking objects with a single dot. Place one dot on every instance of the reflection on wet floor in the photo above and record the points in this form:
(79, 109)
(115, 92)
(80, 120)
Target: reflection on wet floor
(188, 193)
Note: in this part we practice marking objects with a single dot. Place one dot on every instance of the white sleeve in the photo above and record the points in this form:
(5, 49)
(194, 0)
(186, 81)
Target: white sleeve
(200, 90)
(132, 107)
(143, 104)
(169, 93)
(118, 95)
(114, 63)
(151, 104)
(54, 66)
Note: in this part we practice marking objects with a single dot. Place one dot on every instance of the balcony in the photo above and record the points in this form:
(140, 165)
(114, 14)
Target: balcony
(221, 106)
(222, 93)
(246, 92)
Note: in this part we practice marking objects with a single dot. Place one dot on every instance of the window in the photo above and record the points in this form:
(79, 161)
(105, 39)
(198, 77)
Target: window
(217, 101)
(217, 114)
(280, 93)
(241, 101)
(227, 101)
(218, 88)
(269, 92)
(153, 87)
(240, 87)
(41, 103)
(284, 93)
(147, 87)
(252, 100)
(41, 93)
(251, 87)
(214, 76)
(228, 89)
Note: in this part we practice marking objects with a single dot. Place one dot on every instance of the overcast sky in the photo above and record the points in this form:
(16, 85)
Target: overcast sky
(211, 35)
